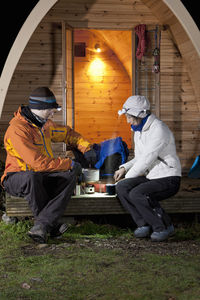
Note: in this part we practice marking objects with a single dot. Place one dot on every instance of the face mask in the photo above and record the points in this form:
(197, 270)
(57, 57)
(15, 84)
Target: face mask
(140, 126)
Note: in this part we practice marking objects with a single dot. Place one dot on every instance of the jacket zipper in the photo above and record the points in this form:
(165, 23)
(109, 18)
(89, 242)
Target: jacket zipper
(44, 142)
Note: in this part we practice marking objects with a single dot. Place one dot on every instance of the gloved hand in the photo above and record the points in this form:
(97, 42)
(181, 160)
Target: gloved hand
(76, 168)
(90, 156)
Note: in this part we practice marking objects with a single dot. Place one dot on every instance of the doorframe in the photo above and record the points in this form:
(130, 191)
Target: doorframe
(65, 26)
(64, 73)
(67, 79)
(133, 63)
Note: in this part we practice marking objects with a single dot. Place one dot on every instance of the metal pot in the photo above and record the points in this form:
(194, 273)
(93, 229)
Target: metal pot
(110, 189)
(90, 175)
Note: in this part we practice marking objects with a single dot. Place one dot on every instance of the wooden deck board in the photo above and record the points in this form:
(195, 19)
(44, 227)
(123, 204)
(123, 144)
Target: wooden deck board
(187, 200)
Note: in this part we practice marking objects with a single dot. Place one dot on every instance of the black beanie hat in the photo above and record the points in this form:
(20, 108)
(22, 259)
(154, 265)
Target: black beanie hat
(43, 98)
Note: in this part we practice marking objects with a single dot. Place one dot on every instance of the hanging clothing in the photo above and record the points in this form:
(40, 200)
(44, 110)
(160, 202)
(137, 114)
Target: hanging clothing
(140, 31)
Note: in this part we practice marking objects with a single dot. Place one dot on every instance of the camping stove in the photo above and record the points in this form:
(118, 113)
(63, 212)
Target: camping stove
(89, 189)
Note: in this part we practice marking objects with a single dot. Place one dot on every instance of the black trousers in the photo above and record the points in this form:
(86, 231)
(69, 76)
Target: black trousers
(140, 197)
(46, 193)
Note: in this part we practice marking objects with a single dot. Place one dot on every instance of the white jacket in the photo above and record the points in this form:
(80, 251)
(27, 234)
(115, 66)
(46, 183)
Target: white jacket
(155, 152)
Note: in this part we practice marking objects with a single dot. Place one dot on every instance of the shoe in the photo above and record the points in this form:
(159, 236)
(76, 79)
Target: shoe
(58, 230)
(142, 232)
(38, 234)
(160, 236)
(171, 230)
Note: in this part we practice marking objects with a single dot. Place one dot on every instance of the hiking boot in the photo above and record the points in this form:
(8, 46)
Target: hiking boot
(160, 236)
(38, 234)
(141, 232)
(58, 230)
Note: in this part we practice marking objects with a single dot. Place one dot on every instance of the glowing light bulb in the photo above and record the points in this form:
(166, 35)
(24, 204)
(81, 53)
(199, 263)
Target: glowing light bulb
(97, 48)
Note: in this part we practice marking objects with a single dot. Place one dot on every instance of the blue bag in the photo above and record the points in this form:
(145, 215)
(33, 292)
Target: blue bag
(110, 155)
(195, 169)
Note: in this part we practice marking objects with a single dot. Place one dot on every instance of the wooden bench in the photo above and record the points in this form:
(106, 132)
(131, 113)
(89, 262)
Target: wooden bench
(187, 200)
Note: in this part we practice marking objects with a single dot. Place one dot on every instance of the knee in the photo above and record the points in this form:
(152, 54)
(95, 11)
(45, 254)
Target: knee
(138, 197)
(69, 177)
(120, 187)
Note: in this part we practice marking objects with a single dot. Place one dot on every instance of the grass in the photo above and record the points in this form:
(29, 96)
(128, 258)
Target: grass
(188, 232)
(89, 228)
(79, 267)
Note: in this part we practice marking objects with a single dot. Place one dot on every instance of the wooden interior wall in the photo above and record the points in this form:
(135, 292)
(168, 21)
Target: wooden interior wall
(41, 64)
(101, 86)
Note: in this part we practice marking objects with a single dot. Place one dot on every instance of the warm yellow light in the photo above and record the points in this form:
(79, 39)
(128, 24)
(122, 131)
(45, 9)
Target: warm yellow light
(96, 67)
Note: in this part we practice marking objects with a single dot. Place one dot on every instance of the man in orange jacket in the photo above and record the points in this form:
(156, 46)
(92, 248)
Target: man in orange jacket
(32, 171)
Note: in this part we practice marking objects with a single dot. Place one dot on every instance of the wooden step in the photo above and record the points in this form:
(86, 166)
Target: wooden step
(187, 200)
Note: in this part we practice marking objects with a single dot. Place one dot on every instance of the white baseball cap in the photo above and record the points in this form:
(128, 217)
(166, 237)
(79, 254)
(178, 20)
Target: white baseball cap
(137, 106)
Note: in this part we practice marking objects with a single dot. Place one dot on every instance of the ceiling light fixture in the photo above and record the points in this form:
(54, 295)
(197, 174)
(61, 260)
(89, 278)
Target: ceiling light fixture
(97, 48)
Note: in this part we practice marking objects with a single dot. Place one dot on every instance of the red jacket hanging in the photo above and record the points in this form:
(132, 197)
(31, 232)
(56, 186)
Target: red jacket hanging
(140, 31)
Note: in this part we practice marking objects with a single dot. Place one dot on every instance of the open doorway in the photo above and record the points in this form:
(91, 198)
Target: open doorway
(102, 82)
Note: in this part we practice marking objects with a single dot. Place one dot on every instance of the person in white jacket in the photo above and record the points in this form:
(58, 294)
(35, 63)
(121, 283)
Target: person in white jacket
(152, 175)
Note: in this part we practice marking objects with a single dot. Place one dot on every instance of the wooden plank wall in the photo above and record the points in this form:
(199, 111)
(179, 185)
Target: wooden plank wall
(102, 14)
(41, 64)
(179, 107)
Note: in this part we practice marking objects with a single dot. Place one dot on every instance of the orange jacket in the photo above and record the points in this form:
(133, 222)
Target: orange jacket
(28, 147)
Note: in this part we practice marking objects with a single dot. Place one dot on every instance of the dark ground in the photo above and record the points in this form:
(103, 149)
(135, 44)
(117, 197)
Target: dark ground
(186, 240)
(130, 247)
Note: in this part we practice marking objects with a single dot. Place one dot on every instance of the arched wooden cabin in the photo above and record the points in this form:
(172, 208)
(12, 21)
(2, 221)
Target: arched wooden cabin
(57, 47)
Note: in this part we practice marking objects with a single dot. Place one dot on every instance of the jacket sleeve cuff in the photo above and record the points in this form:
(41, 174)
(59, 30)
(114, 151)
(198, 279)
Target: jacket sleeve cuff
(72, 164)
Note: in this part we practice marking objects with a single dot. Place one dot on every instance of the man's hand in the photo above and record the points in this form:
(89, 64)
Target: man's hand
(90, 156)
(119, 174)
(70, 154)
